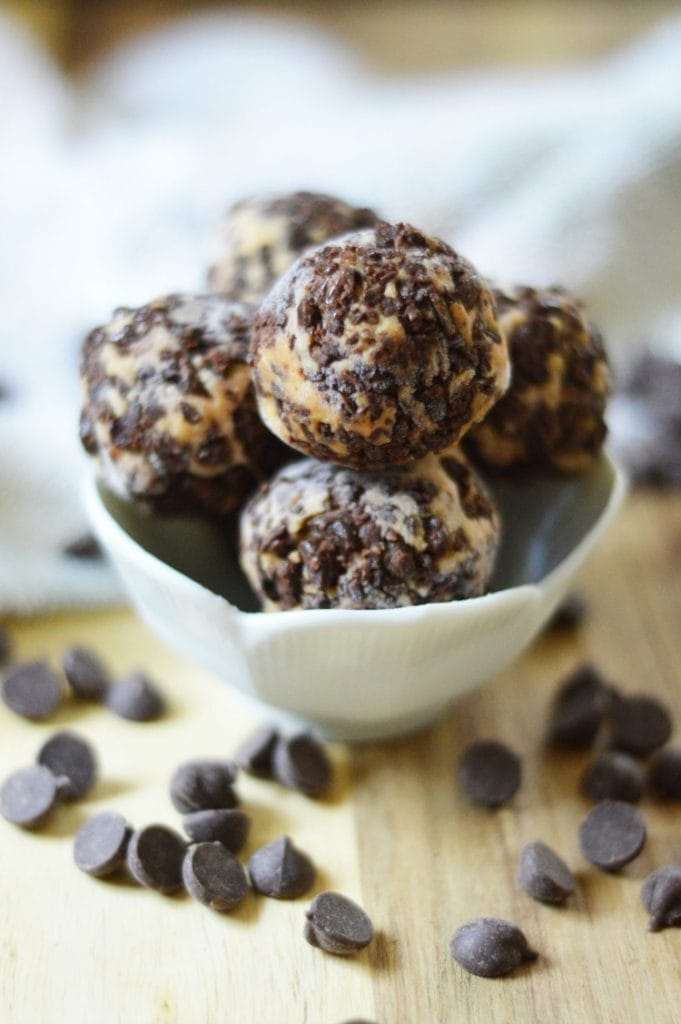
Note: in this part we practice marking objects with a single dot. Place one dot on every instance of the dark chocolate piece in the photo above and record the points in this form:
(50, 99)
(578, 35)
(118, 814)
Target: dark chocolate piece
(154, 856)
(31, 689)
(136, 698)
(222, 825)
(661, 896)
(489, 773)
(579, 708)
(85, 547)
(569, 614)
(664, 774)
(490, 947)
(544, 875)
(613, 776)
(255, 753)
(86, 673)
(612, 835)
(281, 870)
(639, 725)
(337, 925)
(214, 877)
(300, 762)
(5, 646)
(28, 796)
(203, 785)
(66, 754)
(101, 843)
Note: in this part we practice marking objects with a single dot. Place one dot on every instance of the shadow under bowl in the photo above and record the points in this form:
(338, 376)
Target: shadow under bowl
(348, 674)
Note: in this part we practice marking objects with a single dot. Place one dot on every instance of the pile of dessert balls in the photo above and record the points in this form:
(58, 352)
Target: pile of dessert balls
(381, 356)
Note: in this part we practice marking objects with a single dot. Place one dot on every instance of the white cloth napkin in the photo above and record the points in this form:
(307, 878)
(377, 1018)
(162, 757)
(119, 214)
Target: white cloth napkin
(110, 192)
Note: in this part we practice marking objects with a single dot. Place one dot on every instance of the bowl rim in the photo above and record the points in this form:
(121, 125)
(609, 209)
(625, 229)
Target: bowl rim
(108, 527)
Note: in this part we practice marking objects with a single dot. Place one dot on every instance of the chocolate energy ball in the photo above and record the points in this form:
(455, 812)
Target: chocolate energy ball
(322, 536)
(263, 235)
(378, 349)
(552, 416)
(169, 408)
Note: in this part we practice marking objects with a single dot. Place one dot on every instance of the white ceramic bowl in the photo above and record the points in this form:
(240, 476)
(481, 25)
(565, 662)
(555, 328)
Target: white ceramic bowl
(358, 674)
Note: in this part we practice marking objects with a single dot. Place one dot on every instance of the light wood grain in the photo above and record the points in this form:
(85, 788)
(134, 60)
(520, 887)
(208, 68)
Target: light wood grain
(395, 834)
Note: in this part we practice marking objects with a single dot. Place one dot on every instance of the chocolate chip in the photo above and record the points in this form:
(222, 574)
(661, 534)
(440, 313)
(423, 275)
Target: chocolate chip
(281, 870)
(490, 947)
(213, 876)
(613, 776)
(136, 698)
(85, 547)
(569, 614)
(664, 774)
(66, 754)
(301, 763)
(203, 785)
(337, 925)
(85, 672)
(5, 646)
(32, 690)
(101, 843)
(489, 773)
(222, 825)
(155, 854)
(639, 725)
(255, 754)
(612, 835)
(544, 875)
(661, 896)
(28, 795)
(579, 708)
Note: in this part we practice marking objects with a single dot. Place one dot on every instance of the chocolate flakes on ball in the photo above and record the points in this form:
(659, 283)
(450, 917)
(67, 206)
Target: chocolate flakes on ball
(322, 536)
(552, 416)
(169, 408)
(378, 349)
(263, 235)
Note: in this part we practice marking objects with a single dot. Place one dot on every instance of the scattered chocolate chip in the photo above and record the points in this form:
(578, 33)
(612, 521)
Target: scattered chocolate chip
(213, 876)
(579, 708)
(5, 646)
(490, 947)
(544, 875)
(136, 698)
(612, 835)
(337, 925)
(221, 825)
(661, 896)
(255, 754)
(281, 870)
(639, 725)
(66, 754)
(301, 763)
(489, 773)
(613, 776)
(203, 785)
(28, 795)
(101, 843)
(85, 547)
(85, 672)
(569, 614)
(154, 856)
(664, 774)
(32, 690)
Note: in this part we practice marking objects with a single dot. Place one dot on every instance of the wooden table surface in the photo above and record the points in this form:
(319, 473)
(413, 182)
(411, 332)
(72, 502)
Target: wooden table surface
(394, 834)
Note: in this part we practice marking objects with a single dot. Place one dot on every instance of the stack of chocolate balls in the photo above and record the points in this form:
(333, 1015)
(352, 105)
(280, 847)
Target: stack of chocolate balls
(378, 353)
